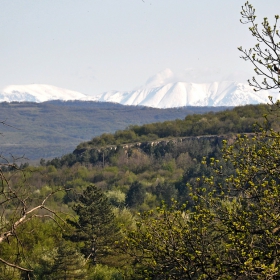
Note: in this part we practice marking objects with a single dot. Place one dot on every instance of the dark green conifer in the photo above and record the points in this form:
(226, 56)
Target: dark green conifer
(135, 195)
(96, 228)
(69, 264)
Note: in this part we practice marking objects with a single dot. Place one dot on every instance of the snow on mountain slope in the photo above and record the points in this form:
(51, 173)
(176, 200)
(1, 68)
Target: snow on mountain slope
(39, 93)
(180, 94)
(160, 92)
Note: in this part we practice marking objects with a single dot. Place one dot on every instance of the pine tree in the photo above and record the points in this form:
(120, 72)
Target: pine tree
(69, 264)
(96, 228)
(135, 195)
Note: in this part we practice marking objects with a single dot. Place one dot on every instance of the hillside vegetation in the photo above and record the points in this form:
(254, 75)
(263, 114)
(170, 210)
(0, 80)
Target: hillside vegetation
(108, 181)
(238, 120)
(150, 138)
(52, 129)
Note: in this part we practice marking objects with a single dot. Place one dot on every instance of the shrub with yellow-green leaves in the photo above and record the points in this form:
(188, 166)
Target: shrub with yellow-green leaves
(231, 232)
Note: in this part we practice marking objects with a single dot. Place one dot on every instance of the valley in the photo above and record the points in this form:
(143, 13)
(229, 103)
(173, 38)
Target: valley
(54, 128)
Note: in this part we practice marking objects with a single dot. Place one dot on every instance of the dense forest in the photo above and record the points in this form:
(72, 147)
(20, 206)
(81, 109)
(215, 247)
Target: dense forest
(158, 139)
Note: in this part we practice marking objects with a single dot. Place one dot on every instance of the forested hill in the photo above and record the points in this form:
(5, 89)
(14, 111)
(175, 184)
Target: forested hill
(238, 120)
(52, 129)
(228, 122)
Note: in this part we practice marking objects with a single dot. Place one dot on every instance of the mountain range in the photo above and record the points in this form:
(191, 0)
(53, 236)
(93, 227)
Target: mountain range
(160, 91)
(180, 94)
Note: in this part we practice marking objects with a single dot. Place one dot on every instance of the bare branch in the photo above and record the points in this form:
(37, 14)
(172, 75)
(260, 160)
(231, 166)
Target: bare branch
(265, 54)
(15, 266)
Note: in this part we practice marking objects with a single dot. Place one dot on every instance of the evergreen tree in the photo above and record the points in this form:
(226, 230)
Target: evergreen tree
(68, 264)
(135, 195)
(166, 192)
(96, 228)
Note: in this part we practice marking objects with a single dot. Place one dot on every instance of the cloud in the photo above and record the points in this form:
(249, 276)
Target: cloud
(163, 77)
(195, 75)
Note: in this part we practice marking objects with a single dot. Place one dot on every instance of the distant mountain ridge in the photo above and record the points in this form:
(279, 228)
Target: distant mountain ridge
(181, 94)
(167, 95)
(39, 93)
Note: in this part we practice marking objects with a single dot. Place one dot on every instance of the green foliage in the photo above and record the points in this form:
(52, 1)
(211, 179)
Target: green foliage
(231, 230)
(166, 192)
(133, 152)
(237, 120)
(68, 264)
(135, 195)
(95, 228)
(103, 272)
(52, 129)
(164, 244)
(8, 273)
(116, 198)
(64, 262)
(178, 164)
(23, 209)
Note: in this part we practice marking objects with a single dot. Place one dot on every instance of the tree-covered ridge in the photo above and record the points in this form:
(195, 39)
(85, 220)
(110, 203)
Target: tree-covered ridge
(157, 139)
(238, 120)
(54, 128)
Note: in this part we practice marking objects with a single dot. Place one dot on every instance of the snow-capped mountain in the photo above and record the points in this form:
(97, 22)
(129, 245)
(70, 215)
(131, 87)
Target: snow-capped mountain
(166, 90)
(181, 94)
(39, 93)
(160, 91)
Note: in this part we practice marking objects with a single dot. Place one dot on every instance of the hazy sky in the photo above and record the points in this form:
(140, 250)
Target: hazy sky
(93, 46)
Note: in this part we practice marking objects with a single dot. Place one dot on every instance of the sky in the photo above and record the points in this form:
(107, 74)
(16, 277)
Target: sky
(93, 46)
